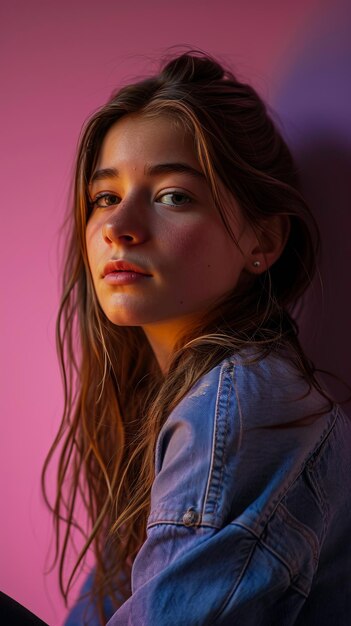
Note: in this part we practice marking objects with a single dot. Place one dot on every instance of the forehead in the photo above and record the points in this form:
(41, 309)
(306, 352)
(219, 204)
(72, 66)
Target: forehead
(136, 139)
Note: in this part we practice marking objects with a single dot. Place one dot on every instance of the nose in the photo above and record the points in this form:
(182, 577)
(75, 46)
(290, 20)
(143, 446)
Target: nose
(127, 224)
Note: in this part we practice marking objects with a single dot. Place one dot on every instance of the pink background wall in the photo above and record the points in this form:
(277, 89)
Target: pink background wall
(61, 61)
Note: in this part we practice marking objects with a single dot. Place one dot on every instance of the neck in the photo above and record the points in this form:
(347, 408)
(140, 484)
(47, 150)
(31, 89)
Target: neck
(163, 337)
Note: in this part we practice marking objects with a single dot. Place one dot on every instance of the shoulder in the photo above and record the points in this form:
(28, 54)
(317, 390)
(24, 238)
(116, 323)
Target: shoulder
(234, 444)
(271, 390)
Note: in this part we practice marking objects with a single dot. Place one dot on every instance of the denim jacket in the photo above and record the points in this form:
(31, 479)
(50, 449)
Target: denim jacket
(250, 520)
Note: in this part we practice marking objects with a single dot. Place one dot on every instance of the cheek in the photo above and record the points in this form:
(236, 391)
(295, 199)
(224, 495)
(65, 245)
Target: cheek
(200, 247)
(93, 244)
(203, 262)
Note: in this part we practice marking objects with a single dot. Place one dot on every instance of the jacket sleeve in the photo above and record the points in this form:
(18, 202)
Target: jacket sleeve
(84, 612)
(203, 562)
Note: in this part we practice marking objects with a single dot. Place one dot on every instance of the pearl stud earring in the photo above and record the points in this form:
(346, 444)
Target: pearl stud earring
(256, 263)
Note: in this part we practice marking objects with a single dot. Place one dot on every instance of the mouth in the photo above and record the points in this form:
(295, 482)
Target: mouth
(117, 267)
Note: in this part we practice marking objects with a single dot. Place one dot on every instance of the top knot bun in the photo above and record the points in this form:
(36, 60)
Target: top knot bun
(191, 68)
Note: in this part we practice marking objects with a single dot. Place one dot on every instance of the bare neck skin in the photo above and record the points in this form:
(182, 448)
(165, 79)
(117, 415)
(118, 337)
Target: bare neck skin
(163, 336)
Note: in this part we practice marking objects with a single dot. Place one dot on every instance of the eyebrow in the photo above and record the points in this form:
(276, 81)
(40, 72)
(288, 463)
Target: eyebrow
(151, 170)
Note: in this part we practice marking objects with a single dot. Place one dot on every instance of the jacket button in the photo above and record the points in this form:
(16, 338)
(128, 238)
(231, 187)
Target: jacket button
(190, 517)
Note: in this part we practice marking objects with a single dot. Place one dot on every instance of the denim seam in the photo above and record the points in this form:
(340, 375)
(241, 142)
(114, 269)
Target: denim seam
(318, 451)
(213, 446)
(278, 556)
(245, 567)
(220, 463)
(219, 432)
(165, 522)
(308, 534)
(249, 530)
(313, 474)
(240, 415)
(296, 588)
(287, 565)
(316, 479)
(240, 577)
(279, 497)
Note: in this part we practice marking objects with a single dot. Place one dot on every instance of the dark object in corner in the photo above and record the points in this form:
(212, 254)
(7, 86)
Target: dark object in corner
(14, 614)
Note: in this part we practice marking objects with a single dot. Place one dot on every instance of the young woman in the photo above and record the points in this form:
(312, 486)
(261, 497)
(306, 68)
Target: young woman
(213, 466)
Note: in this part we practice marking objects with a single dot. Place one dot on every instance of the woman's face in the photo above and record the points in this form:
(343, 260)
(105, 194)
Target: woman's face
(157, 248)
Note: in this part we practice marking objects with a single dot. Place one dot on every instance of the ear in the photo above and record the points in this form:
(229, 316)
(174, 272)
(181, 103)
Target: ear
(269, 242)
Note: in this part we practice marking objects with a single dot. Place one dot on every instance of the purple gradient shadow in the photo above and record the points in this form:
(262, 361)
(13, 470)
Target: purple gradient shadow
(313, 105)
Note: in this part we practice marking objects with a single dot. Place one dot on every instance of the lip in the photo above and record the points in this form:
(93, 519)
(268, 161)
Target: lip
(121, 265)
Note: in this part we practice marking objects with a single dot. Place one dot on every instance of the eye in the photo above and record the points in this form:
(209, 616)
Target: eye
(104, 200)
(174, 198)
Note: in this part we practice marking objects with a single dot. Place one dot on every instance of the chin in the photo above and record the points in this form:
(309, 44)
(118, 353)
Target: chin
(119, 320)
(122, 317)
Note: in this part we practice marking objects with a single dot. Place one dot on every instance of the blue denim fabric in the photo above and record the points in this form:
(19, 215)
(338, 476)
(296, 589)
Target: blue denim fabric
(84, 612)
(250, 515)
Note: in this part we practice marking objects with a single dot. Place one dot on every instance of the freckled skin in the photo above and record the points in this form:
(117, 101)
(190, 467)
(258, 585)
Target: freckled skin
(185, 247)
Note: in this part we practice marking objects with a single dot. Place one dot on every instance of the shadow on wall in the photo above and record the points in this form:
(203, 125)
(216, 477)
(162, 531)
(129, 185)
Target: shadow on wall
(313, 105)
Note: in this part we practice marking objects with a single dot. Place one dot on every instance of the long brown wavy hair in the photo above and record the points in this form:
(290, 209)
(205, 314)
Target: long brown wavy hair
(116, 397)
